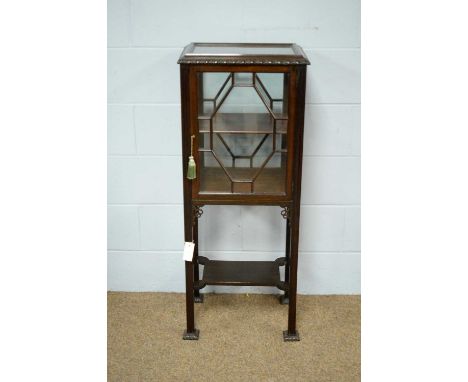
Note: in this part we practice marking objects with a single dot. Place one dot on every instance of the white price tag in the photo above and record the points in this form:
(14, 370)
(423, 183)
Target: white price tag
(188, 250)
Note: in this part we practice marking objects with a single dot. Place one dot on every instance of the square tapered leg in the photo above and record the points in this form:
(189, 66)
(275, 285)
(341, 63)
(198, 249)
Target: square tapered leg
(291, 334)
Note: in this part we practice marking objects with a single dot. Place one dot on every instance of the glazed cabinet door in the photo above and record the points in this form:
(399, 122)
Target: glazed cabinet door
(243, 133)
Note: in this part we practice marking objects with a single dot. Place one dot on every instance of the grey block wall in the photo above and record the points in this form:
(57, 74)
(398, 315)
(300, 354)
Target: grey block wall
(145, 227)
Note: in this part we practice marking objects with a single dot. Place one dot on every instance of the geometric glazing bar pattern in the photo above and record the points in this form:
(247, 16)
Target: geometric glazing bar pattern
(217, 102)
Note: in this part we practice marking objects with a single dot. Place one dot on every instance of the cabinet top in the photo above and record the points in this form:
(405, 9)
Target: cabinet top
(243, 54)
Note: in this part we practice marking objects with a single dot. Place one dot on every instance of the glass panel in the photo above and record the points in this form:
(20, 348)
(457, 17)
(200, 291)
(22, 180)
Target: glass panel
(213, 179)
(243, 79)
(267, 181)
(242, 50)
(214, 88)
(243, 134)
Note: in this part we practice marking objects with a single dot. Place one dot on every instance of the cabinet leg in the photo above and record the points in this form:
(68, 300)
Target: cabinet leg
(190, 333)
(284, 298)
(292, 334)
(198, 297)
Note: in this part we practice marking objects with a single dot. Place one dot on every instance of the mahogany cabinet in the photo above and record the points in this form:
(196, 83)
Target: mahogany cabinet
(242, 132)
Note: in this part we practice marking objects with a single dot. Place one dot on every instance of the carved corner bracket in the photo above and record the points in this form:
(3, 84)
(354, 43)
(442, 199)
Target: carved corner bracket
(286, 212)
(197, 212)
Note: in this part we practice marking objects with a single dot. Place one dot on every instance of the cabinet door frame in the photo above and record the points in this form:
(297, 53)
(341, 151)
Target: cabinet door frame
(228, 198)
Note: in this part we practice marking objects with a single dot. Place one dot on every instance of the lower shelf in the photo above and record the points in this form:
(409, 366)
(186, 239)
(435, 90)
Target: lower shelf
(241, 273)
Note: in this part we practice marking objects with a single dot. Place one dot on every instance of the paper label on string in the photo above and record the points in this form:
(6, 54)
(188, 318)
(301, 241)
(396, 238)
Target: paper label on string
(188, 250)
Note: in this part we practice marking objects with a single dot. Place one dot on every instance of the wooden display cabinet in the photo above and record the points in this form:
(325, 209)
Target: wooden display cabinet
(243, 121)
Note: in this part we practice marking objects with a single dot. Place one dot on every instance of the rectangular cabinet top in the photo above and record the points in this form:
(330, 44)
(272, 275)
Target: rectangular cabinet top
(243, 54)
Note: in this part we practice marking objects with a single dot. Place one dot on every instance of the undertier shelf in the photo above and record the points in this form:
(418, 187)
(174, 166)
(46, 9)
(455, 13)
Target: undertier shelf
(241, 273)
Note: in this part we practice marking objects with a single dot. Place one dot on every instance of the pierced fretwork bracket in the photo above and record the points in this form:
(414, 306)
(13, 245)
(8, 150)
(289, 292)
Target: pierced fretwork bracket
(197, 212)
(286, 212)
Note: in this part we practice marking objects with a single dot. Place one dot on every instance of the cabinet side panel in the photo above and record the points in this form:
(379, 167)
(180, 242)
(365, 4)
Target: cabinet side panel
(301, 72)
(292, 133)
(185, 109)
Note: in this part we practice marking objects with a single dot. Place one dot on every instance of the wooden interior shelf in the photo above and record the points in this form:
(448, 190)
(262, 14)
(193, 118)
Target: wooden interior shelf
(246, 273)
(242, 123)
(271, 181)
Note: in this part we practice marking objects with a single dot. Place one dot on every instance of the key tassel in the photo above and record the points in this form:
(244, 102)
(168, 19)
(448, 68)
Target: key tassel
(192, 167)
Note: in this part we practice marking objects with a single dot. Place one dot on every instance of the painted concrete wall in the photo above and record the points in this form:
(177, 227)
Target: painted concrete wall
(145, 219)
